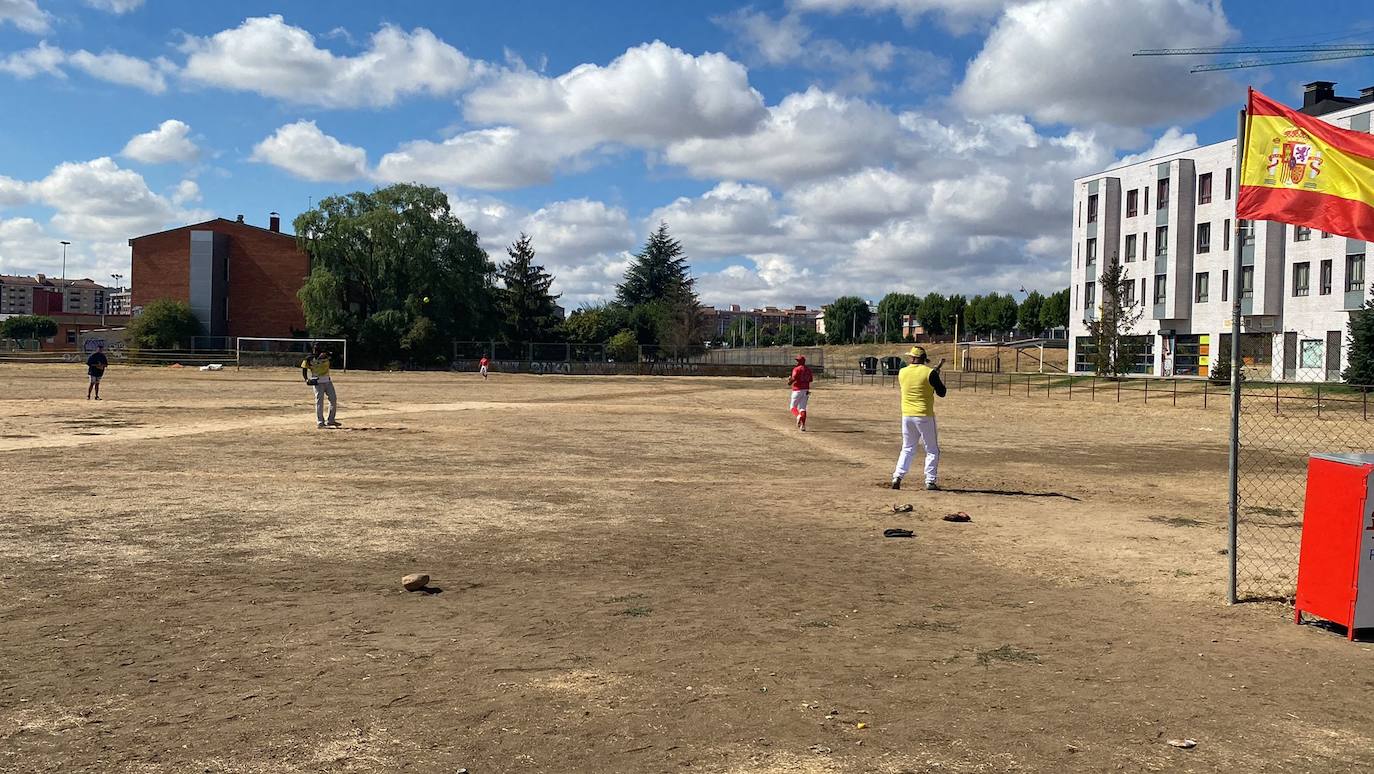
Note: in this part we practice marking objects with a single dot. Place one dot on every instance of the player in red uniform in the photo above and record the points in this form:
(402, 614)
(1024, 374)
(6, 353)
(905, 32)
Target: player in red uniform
(800, 381)
(482, 366)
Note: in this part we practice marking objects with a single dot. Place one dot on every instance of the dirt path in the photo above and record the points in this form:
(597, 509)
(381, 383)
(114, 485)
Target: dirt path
(636, 575)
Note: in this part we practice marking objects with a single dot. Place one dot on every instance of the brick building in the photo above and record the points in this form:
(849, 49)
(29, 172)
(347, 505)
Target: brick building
(45, 295)
(240, 279)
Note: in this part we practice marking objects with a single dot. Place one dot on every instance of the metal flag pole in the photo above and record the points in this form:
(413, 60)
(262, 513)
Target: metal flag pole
(1233, 466)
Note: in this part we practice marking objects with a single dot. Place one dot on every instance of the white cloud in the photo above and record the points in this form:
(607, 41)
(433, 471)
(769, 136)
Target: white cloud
(186, 192)
(115, 6)
(862, 198)
(110, 66)
(43, 58)
(488, 159)
(650, 95)
(308, 153)
(1174, 140)
(125, 70)
(807, 135)
(728, 220)
(95, 205)
(25, 15)
(1067, 61)
(169, 142)
(272, 58)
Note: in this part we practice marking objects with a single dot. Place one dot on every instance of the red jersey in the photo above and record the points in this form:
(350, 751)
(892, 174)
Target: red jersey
(801, 378)
(482, 362)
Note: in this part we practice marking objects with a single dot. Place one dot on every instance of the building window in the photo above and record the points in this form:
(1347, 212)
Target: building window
(1128, 294)
(1145, 246)
(1162, 194)
(71, 336)
(1326, 235)
(1132, 203)
(1302, 278)
(1075, 255)
(1301, 233)
(1225, 284)
(1226, 235)
(1080, 213)
(1089, 295)
(1130, 248)
(1310, 353)
(1161, 240)
(1142, 291)
(1247, 282)
(1247, 232)
(1227, 193)
(1204, 237)
(1354, 273)
(1092, 252)
(1146, 199)
(1204, 188)
(1161, 286)
(1092, 208)
(1200, 288)
(1325, 289)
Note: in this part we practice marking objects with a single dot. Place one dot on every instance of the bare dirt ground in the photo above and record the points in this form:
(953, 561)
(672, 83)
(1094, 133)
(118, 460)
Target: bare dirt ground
(636, 575)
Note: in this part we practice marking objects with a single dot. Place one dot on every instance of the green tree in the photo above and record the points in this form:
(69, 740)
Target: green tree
(1002, 313)
(1028, 315)
(1054, 313)
(1360, 370)
(28, 326)
(975, 319)
(595, 323)
(659, 273)
(398, 250)
(892, 308)
(931, 313)
(1110, 327)
(954, 311)
(623, 348)
(741, 331)
(164, 324)
(845, 319)
(527, 309)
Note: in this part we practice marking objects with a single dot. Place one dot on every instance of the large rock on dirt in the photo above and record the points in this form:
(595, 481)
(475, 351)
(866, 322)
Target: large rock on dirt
(415, 581)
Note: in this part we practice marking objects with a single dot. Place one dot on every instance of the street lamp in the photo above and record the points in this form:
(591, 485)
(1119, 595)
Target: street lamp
(64, 244)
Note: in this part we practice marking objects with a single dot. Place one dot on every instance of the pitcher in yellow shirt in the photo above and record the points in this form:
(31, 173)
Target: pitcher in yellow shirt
(919, 385)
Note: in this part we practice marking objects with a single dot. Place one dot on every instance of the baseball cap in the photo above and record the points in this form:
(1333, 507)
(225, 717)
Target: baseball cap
(801, 358)
(917, 352)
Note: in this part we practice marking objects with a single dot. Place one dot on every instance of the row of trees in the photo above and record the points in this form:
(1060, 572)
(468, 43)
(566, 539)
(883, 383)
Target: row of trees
(990, 315)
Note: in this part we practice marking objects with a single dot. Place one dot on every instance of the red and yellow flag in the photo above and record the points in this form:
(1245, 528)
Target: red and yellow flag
(1302, 170)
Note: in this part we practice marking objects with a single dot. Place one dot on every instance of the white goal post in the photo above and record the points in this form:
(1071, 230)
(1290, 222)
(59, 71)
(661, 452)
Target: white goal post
(266, 350)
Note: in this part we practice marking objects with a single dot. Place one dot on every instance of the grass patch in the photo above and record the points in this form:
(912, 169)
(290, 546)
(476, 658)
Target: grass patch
(1176, 521)
(625, 598)
(638, 611)
(1182, 573)
(1008, 654)
(930, 626)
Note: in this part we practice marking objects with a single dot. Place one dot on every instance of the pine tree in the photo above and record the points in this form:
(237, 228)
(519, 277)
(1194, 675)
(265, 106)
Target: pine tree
(528, 312)
(1361, 346)
(1110, 331)
(659, 274)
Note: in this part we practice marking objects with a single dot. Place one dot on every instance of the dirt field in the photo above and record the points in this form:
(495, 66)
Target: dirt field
(636, 575)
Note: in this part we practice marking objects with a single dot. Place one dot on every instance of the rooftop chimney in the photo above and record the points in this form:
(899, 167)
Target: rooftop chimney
(239, 219)
(1317, 91)
(41, 278)
(274, 222)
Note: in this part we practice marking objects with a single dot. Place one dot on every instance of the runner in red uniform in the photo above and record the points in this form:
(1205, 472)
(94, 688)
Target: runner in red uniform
(800, 381)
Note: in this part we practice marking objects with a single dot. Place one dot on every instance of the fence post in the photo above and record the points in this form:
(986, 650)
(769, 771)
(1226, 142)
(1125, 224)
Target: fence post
(1204, 391)
(1047, 385)
(1092, 395)
(1070, 388)
(1028, 385)
(1276, 399)
(1319, 400)
(1147, 391)
(1175, 390)
(1118, 389)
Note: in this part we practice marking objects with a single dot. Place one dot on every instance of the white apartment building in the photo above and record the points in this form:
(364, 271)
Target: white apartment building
(41, 294)
(1169, 220)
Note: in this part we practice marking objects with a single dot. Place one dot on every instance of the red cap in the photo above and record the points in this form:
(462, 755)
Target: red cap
(801, 358)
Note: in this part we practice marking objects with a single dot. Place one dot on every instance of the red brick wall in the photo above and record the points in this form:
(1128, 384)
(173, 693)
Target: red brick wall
(265, 271)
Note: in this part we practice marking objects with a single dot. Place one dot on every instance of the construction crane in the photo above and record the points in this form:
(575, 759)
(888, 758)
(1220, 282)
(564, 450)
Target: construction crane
(1300, 53)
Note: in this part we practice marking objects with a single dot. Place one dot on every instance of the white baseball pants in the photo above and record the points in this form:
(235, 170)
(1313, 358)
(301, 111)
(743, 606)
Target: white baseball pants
(919, 429)
(799, 400)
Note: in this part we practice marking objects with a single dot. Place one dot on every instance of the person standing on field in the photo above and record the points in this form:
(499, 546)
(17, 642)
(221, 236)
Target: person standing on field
(919, 385)
(95, 368)
(483, 365)
(315, 372)
(800, 382)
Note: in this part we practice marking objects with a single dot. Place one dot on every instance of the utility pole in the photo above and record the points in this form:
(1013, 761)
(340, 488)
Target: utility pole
(64, 244)
(956, 342)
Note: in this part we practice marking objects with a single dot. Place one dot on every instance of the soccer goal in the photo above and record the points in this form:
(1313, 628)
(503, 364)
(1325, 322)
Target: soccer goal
(267, 351)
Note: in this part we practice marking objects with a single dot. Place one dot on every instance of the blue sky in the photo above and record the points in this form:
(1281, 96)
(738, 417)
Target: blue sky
(801, 149)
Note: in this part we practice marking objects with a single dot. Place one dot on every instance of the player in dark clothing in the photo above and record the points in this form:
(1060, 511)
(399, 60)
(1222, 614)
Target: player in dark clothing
(95, 368)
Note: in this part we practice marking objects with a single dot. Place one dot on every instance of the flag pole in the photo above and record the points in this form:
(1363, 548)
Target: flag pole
(1233, 468)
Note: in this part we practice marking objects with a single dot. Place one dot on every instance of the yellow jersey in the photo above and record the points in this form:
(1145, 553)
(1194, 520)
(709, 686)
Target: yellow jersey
(317, 366)
(918, 394)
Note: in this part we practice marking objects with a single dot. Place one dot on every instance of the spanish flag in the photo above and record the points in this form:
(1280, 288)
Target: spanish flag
(1302, 170)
